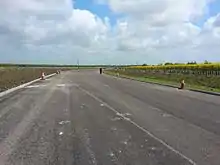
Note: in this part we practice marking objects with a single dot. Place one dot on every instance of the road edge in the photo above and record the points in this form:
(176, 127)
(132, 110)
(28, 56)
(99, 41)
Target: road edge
(167, 85)
(4, 93)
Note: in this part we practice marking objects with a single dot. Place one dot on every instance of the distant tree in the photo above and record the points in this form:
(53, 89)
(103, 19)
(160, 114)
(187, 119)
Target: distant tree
(192, 62)
(206, 62)
(178, 63)
(144, 65)
(168, 63)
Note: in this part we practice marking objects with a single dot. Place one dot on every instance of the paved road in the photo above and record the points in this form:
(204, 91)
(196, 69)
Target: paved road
(83, 118)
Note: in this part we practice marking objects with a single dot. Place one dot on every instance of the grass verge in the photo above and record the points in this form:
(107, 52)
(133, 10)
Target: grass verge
(190, 86)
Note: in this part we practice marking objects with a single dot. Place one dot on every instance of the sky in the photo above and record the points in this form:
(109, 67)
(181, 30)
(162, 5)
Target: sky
(109, 31)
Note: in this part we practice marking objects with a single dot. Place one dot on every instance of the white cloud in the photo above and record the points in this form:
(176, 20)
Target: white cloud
(49, 27)
(164, 28)
(156, 11)
(149, 31)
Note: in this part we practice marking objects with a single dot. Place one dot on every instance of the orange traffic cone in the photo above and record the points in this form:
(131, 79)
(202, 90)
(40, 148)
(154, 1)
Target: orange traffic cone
(182, 84)
(42, 76)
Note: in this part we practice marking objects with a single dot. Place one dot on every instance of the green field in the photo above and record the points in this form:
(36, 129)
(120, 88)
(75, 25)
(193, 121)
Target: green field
(204, 77)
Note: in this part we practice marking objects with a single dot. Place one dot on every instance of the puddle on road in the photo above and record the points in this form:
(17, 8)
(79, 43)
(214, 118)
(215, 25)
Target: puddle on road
(82, 106)
(64, 122)
(35, 86)
(112, 154)
(166, 115)
(67, 85)
(61, 85)
(113, 128)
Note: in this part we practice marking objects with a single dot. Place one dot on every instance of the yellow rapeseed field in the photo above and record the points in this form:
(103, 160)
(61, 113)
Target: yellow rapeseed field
(209, 67)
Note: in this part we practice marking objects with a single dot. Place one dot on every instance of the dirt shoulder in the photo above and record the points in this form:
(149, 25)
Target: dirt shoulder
(14, 76)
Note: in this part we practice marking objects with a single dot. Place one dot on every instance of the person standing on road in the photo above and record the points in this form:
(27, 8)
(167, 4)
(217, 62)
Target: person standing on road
(100, 70)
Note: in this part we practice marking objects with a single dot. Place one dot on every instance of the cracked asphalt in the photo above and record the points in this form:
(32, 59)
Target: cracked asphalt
(83, 118)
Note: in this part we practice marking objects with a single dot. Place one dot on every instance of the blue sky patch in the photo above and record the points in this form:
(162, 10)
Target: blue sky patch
(103, 10)
(214, 9)
(100, 10)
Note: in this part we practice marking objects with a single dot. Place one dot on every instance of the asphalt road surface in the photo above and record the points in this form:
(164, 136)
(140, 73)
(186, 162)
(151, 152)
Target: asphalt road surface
(84, 118)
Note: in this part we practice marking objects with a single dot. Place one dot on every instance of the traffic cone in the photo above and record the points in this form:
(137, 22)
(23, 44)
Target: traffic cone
(182, 84)
(42, 76)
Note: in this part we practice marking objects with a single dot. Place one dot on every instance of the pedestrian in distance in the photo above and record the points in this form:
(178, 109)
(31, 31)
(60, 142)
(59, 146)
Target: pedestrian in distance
(100, 70)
